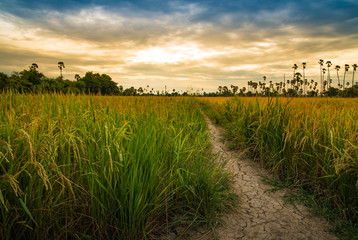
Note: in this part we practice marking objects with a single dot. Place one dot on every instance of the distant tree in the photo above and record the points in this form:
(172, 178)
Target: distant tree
(4, 81)
(321, 62)
(304, 77)
(294, 69)
(249, 94)
(34, 66)
(61, 65)
(337, 68)
(324, 81)
(77, 77)
(346, 68)
(225, 91)
(254, 86)
(312, 93)
(30, 79)
(234, 89)
(292, 93)
(354, 70)
(99, 84)
(352, 92)
(329, 64)
(331, 92)
(131, 92)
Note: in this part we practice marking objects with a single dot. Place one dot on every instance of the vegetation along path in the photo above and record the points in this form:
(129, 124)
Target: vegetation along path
(263, 214)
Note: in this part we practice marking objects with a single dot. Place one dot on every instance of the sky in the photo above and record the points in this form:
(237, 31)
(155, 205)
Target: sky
(181, 44)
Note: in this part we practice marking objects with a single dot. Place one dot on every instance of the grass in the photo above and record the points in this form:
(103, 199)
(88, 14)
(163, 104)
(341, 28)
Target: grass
(311, 143)
(94, 167)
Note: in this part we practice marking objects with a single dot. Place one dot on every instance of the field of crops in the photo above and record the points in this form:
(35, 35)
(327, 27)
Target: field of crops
(105, 167)
(309, 142)
(136, 167)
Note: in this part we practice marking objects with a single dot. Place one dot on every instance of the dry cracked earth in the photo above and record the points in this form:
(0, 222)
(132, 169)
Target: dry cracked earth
(262, 213)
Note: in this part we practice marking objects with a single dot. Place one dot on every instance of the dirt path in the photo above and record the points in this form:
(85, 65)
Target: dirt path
(262, 215)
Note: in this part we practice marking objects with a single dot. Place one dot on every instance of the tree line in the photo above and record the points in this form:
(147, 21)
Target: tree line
(299, 85)
(33, 81)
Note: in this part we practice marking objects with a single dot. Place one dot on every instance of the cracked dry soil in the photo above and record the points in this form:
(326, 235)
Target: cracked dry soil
(262, 214)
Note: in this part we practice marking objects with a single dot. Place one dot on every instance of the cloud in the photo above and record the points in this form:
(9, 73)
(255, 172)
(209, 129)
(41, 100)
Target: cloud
(178, 43)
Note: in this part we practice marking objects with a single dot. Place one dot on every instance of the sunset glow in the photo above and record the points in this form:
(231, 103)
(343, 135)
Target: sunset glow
(178, 43)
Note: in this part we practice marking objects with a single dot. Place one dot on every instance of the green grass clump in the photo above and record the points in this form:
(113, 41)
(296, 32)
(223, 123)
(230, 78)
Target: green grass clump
(105, 167)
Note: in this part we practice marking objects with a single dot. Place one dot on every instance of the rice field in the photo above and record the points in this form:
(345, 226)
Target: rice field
(109, 167)
(308, 142)
(94, 167)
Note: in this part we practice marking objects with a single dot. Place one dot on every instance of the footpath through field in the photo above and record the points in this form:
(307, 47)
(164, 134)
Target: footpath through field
(262, 214)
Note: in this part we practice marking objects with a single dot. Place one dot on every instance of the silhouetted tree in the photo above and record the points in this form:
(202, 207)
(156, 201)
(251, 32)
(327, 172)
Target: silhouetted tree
(77, 77)
(303, 71)
(329, 64)
(337, 69)
(320, 62)
(61, 65)
(346, 68)
(354, 70)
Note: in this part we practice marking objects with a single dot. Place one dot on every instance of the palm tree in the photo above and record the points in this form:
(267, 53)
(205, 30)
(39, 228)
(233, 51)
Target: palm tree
(294, 69)
(305, 82)
(303, 71)
(77, 77)
(34, 66)
(320, 62)
(354, 69)
(324, 81)
(61, 65)
(271, 86)
(254, 85)
(346, 68)
(249, 84)
(337, 68)
(329, 64)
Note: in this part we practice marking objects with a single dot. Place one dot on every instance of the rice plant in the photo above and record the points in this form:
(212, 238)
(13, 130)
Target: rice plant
(105, 167)
(308, 142)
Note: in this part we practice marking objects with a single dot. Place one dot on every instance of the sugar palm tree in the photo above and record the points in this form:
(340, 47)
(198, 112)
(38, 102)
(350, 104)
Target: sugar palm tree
(329, 64)
(337, 68)
(346, 68)
(61, 65)
(294, 69)
(34, 66)
(305, 82)
(354, 69)
(320, 62)
(303, 71)
(77, 77)
(324, 81)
